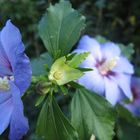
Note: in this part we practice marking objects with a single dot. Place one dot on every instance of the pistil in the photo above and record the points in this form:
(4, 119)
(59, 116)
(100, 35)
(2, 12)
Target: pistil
(4, 82)
(107, 66)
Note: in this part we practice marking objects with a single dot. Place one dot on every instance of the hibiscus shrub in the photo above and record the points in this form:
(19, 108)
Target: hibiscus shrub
(82, 87)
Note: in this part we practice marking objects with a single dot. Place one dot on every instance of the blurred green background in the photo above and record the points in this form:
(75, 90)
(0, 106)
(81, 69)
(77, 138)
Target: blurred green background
(117, 20)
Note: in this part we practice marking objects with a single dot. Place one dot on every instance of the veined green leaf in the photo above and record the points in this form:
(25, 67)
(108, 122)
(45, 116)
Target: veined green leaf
(92, 114)
(53, 125)
(60, 28)
(38, 64)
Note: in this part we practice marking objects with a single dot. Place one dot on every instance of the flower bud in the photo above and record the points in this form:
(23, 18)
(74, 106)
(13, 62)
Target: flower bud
(61, 73)
(43, 87)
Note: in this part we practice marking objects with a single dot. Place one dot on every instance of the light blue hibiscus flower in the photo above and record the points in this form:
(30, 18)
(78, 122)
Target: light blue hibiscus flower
(15, 78)
(111, 73)
(134, 106)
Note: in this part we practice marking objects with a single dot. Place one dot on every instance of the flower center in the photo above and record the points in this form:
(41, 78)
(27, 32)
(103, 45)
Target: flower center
(4, 82)
(57, 75)
(108, 65)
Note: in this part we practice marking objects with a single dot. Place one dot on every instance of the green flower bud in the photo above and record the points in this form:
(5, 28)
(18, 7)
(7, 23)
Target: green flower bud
(61, 73)
(43, 87)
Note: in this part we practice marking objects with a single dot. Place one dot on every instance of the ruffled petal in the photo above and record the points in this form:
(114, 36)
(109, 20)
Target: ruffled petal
(93, 81)
(18, 123)
(91, 45)
(112, 92)
(110, 50)
(4, 63)
(123, 65)
(11, 42)
(14, 48)
(124, 82)
(6, 109)
(22, 73)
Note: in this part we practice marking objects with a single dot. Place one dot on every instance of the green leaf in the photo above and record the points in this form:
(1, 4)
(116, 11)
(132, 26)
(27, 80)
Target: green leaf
(38, 64)
(78, 59)
(128, 126)
(75, 85)
(64, 90)
(127, 50)
(125, 114)
(60, 28)
(127, 130)
(101, 39)
(92, 114)
(53, 125)
(40, 100)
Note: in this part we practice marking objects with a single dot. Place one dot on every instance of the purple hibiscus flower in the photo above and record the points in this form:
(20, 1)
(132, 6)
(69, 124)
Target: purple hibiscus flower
(15, 77)
(111, 73)
(134, 106)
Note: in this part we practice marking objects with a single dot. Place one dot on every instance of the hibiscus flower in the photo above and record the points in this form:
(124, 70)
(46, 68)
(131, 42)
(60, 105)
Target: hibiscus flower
(111, 74)
(15, 78)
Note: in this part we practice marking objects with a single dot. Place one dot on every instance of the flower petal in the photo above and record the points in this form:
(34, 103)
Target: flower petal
(123, 65)
(4, 96)
(110, 50)
(11, 41)
(6, 109)
(91, 45)
(93, 81)
(124, 81)
(4, 63)
(134, 107)
(112, 92)
(22, 73)
(135, 84)
(14, 48)
(18, 124)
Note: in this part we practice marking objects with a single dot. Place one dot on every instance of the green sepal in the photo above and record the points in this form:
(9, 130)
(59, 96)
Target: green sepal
(78, 59)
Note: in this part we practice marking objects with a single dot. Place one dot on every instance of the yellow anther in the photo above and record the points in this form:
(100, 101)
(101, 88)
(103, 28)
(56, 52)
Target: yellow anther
(4, 83)
(108, 65)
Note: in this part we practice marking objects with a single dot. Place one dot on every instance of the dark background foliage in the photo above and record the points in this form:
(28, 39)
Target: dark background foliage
(117, 20)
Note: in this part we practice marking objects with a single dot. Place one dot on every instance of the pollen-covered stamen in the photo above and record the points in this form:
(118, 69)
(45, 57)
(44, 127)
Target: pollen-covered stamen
(4, 82)
(108, 65)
